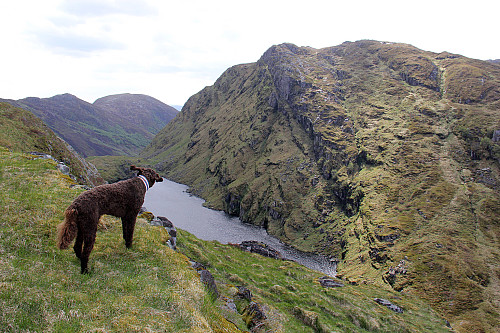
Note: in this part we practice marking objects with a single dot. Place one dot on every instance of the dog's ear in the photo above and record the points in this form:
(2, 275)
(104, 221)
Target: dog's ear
(133, 167)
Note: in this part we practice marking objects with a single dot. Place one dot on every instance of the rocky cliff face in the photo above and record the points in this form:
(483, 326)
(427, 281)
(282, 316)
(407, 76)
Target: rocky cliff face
(381, 155)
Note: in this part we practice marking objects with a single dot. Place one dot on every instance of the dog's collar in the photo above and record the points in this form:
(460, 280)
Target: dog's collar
(144, 180)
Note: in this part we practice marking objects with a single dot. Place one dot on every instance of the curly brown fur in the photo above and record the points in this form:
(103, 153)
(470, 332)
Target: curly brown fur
(123, 199)
(67, 230)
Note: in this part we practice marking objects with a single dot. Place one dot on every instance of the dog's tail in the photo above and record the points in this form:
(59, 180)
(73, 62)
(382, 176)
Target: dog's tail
(67, 230)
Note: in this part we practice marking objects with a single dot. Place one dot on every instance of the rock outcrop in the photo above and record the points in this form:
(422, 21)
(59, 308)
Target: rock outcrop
(169, 227)
(260, 248)
(389, 305)
(328, 282)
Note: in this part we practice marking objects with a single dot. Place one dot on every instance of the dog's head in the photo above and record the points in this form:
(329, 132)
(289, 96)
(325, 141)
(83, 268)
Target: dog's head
(150, 174)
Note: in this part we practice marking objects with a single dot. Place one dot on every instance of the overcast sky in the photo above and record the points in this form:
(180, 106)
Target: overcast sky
(170, 50)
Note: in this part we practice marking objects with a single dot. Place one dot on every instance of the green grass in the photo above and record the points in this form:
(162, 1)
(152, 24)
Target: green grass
(114, 168)
(21, 131)
(291, 292)
(148, 288)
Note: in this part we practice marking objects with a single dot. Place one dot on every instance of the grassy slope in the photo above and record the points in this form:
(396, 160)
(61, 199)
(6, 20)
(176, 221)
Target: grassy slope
(147, 288)
(429, 191)
(402, 171)
(151, 288)
(114, 168)
(21, 131)
(294, 301)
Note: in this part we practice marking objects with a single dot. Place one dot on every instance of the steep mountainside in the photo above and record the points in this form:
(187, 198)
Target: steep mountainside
(113, 125)
(22, 131)
(379, 154)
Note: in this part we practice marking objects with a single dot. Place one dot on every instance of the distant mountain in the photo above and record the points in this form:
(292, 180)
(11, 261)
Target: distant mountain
(22, 131)
(113, 125)
(134, 112)
(380, 154)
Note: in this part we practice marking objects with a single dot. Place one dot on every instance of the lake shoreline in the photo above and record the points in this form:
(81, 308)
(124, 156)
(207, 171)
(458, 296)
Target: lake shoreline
(186, 211)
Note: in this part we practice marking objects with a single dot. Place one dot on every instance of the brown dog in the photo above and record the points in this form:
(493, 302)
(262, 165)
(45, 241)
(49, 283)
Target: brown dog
(122, 199)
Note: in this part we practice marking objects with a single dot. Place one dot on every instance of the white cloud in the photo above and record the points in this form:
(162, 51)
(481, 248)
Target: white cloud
(96, 8)
(172, 49)
(74, 43)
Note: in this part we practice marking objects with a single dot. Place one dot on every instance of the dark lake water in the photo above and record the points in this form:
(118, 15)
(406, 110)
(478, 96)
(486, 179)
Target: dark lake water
(186, 212)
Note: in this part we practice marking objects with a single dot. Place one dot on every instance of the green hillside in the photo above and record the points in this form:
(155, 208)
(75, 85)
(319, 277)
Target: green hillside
(137, 113)
(21, 131)
(114, 168)
(148, 288)
(113, 125)
(379, 154)
(294, 301)
(151, 288)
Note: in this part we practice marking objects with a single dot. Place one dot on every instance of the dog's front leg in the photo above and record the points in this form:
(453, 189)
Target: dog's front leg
(128, 225)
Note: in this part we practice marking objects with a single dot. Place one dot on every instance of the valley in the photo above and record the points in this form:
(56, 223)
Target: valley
(378, 154)
(381, 156)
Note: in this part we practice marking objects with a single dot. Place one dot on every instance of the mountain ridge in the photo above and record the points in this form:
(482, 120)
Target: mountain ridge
(368, 151)
(113, 125)
(142, 110)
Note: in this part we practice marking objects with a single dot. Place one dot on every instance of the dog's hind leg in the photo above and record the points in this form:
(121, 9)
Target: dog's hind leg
(128, 225)
(88, 245)
(78, 244)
